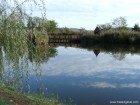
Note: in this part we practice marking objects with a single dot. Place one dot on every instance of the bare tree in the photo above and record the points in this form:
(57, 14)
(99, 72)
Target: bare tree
(119, 23)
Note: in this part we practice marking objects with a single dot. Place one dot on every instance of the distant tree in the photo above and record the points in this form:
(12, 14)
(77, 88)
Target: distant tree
(105, 26)
(51, 26)
(119, 56)
(136, 27)
(82, 30)
(66, 30)
(97, 30)
(119, 23)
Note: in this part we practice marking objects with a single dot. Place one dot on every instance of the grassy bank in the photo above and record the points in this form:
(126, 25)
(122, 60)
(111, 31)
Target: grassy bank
(9, 96)
(125, 37)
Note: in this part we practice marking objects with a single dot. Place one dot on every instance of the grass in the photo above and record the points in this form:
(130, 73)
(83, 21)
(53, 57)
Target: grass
(2, 102)
(10, 96)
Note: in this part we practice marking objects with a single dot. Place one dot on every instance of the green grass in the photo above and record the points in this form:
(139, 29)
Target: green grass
(2, 102)
(10, 96)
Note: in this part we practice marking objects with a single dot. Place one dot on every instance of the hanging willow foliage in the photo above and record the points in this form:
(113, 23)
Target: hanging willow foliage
(21, 42)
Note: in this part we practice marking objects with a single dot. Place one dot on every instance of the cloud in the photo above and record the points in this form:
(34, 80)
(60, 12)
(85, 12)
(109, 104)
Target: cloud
(75, 62)
(99, 85)
(104, 84)
(131, 85)
(89, 13)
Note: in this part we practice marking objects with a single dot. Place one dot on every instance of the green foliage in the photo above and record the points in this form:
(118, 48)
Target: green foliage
(51, 26)
(136, 27)
(31, 24)
(23, 42)
(19, 43)
(120, 23)
(2, 102)
(111, 36)
(38, 23)
(13, 97)
(41, 24)
(66, 30)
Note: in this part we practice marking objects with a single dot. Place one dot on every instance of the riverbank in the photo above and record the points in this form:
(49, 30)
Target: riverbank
(10, 96)
(117, 37)
(108, 36)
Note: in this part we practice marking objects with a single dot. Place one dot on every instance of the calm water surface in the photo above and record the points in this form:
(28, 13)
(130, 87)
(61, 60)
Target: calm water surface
(88, 77)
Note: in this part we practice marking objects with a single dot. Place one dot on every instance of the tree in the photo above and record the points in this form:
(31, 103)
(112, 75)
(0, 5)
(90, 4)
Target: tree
(38, 22)
(119, 56)
(10, 8)
(136, 27)
(119, 23)
(50, 26)
(31, 24)
(97, 30)
(105, 26)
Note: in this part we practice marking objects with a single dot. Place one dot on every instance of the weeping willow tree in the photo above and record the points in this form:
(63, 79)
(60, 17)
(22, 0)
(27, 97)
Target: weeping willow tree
(22, 39)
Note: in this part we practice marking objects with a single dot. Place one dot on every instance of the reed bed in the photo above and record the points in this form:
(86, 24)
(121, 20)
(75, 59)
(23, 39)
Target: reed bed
(122, 36)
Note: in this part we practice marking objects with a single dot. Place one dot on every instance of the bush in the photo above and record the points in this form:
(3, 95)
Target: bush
(111, 36)
(2, 102)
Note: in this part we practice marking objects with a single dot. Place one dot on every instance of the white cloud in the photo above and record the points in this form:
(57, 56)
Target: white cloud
(131, 85)
(89, 13)
(104, 84)
(98, 85)
(72, 63)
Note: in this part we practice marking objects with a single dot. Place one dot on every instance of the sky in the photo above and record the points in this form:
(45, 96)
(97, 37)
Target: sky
(89, 13)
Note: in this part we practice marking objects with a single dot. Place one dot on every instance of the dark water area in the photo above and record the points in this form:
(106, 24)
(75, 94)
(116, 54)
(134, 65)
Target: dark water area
(93, 75)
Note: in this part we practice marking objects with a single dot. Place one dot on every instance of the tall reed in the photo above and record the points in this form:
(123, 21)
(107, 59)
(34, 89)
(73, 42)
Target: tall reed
(123, 36)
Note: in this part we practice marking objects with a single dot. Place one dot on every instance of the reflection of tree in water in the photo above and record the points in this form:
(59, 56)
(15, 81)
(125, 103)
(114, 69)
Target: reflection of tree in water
(96, 52)
(15, 63)
(119, 56)
(1, 63)
(16, 54)
(117, 50)
(15, 67)
(40, 53)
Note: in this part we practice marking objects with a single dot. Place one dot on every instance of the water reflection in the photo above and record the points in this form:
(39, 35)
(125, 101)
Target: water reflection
(41, 54)
(19, 59)
(89, 84)
(84, 73)
(116, 50)
(115, 72)
(98, 84)
(96, 52)
(86, 64)
(1, 64)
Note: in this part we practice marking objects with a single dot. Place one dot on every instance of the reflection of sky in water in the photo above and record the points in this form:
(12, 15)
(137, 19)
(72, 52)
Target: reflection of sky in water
(78, 74)
(77, 62)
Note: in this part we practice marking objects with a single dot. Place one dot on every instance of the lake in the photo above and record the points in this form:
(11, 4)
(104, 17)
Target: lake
(87, 76)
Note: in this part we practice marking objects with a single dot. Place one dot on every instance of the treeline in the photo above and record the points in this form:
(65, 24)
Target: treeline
(118, 24)
(41, 23)
(115, 32)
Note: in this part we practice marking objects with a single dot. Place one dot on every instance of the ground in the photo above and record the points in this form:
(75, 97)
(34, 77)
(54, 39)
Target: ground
(10, 96)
